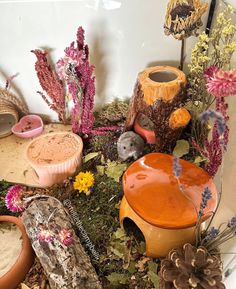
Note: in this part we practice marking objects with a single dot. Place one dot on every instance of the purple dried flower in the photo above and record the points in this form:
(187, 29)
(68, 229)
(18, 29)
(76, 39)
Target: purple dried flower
(206, 196)
(176, 167)
(44, 235)
(14, 199)
(232, 222)
(212, 233)
(66, 237)
(220, 121)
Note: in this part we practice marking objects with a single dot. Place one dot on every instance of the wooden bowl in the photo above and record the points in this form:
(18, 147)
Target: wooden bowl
(18, 271)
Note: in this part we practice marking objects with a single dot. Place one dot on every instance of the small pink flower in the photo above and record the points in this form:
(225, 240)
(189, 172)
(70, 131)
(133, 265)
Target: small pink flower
(14, 199)
(66, 237)
(44, 235)
(221, 83)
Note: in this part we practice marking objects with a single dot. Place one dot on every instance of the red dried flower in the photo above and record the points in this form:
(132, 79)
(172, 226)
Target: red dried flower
(50, 83)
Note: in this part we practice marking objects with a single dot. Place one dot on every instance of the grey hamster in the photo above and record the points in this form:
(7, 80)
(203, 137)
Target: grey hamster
(129, 145)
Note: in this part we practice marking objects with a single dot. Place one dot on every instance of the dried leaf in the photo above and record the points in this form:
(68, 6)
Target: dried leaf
(181, 148)
(100, 170)
(116, 278)
(23, 286)
(198, 160)
(90, 156)
(119, 234)
(154, 278)
(141, 264)
(132, 269)
(115, 170)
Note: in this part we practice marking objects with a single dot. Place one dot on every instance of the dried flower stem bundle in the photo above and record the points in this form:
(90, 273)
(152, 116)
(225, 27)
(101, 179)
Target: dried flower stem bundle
(50, 83)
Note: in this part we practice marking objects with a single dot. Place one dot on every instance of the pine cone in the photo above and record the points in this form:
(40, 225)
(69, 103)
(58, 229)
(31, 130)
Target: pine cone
(190, 268)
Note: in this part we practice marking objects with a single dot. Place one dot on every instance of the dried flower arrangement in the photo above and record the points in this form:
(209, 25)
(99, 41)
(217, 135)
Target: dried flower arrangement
(75, 70)
(208, 76)
(183, 19)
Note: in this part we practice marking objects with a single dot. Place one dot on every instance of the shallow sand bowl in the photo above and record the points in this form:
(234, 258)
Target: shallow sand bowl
(55, 157)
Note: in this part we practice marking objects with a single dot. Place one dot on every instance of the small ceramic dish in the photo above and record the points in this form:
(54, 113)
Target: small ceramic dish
(29, 126)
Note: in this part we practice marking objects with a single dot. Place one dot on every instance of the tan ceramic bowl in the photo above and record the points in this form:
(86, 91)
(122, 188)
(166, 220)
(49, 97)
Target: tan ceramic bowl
(56, 172)
(17, 273)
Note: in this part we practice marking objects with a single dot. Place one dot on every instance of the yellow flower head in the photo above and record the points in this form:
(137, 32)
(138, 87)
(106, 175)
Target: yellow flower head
(83, 182)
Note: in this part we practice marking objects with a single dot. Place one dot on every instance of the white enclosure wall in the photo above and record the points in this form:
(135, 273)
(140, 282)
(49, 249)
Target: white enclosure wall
(124, 37)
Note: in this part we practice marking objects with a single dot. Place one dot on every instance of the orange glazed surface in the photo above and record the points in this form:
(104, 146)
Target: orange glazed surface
(152, 191)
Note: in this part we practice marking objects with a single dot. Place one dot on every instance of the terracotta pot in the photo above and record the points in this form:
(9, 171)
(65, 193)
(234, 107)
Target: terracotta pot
(17, 273)
(147, 134)
(55, 157)
(154, 202)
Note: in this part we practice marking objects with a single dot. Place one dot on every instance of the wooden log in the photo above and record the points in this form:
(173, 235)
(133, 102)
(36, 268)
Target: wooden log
(67, 267)
(160, 102)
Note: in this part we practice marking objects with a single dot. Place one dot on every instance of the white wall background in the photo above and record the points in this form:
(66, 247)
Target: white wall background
(124, 37)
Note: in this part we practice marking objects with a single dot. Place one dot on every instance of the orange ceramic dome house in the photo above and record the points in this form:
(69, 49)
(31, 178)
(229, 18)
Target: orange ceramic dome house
(154, 202)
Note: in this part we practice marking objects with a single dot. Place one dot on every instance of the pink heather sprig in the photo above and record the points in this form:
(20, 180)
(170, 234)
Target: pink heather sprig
(50, 83)
(14, 199)
(213, 149)
(65, 236)
(220, 83)
(76, 70)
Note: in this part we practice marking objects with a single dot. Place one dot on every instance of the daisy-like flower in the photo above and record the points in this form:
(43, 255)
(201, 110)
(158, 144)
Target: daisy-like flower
(183, 18)
(14, 199)
(221, 83)
(44, 235)
(65, 236)
(84, 182)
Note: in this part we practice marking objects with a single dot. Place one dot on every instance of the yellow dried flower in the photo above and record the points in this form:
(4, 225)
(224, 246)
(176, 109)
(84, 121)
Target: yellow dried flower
(183, 18)
(83, 182)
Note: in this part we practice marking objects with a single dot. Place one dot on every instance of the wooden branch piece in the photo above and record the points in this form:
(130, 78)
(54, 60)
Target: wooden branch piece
(67, 267)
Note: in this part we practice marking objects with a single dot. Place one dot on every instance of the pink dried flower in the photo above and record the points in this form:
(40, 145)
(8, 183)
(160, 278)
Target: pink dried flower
(44, 235)
(14, 199)
(221, 83)
(66, 237)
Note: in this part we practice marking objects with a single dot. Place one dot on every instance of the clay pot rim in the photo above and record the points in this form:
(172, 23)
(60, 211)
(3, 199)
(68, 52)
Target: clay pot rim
(165, 68)
(25, 242)
(77, 152)
(34, 130)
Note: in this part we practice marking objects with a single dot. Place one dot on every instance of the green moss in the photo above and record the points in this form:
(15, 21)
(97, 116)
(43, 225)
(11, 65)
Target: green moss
(3, 190)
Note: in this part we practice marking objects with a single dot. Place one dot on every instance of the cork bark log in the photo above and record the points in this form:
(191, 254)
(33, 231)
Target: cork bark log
(165, 113)
(67, 267)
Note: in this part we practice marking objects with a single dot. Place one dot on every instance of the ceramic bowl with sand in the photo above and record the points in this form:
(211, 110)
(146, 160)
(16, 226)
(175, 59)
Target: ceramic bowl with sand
(55, 156)
(16, 252)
